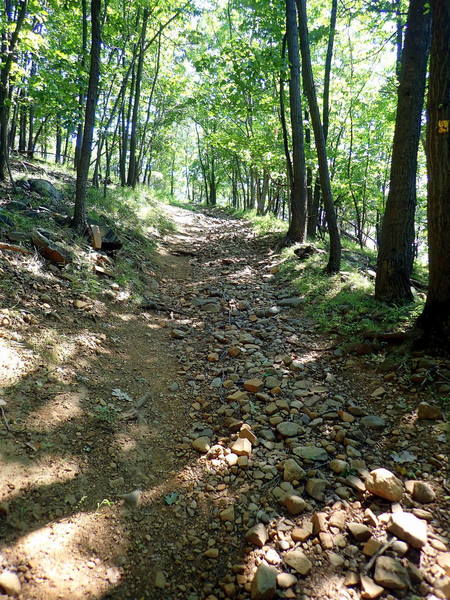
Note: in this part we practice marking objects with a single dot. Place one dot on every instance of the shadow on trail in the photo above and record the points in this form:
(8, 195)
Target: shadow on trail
(70, 454)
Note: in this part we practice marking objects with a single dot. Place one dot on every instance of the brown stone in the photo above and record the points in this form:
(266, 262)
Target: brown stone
(369, 589)
(371, 547)
(301, 534)
(360, 532)
(253, 385)
(246, 432)
(443, 560)
(429, 411)
(238, 397)
(234, 351)
(257, 535)
(294, 504)
(319, 522)
(242, 447)
(298, 561)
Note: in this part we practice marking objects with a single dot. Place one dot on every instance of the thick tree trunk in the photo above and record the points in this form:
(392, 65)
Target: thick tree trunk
(334, 261)
(297, 224)
(395, 255)
(435, 319)
(79, 219)
(262, 194)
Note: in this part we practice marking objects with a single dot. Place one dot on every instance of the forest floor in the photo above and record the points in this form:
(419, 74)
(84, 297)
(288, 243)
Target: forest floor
(139, 447)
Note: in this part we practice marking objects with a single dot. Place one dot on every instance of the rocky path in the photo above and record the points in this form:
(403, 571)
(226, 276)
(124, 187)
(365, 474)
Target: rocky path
(216, 446)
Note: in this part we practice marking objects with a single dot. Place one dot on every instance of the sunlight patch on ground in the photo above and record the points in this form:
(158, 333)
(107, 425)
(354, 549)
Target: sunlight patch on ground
(12, 362)
(21, 475)
(64, 566)
(60, 409)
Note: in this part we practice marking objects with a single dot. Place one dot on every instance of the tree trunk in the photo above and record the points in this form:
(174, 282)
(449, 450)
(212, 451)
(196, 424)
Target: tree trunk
(334, 261)
(395, 255)
(84, 33)
(132, 163)
(79, 219)
(23, 130)
(435, 319)
(58, 141)
(7, 54)
(313, 206)
(297, 225)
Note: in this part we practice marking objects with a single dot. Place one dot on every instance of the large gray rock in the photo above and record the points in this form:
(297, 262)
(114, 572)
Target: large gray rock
(311, 453)
(45, 189)
(287, 429)
(391, 574)
(373, 422)
(264, 584)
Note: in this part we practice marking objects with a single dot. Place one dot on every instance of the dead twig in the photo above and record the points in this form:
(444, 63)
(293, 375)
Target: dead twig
(381, 551)
(5, 419)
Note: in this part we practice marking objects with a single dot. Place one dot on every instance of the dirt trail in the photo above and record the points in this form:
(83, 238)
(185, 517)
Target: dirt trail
(134, 392)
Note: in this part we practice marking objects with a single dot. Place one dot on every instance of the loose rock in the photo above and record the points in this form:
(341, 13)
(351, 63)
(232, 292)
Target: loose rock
(298, 561)
(264, 583)
(202, 444)
(10, 583)
(385, 484)
(391, 574)
(409, 528)
(293, 471)
(257, 535)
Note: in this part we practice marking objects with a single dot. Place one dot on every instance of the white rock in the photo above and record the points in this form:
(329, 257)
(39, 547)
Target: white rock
(384, 484)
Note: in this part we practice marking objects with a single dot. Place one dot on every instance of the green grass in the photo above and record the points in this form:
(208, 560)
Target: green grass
(139, 209)
(263, 225)
(344, 303)
(137, 216)
(139, 219)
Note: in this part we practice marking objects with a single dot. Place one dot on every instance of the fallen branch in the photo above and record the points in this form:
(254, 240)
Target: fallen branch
(394, 337)
(151, 305)
(14, 248)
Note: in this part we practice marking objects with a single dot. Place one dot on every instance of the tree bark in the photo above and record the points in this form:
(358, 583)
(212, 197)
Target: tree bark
(313, 206)
(7, 53)
(334, 260)
(283, 119)
(84, 34)
(297, 224)
(435, 319)
(395, 255)
(132, 162)
(79, 219)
